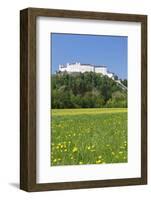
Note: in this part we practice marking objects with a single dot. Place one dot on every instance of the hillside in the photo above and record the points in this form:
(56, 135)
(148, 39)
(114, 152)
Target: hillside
(86, 90)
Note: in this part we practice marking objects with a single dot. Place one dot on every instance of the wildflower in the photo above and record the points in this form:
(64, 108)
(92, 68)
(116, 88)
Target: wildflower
(75, 149)
(80, 162)
(89, 147)
(98, 161)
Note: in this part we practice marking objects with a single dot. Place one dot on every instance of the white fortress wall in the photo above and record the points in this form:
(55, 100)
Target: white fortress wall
(102, 70)
(78, 67)
(87, 68)
(62, 68)
(110, 75)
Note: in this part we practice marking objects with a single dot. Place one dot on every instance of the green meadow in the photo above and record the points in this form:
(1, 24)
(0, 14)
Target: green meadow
(88, 136)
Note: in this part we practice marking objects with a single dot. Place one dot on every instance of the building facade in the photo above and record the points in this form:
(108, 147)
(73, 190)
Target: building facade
(78, 67)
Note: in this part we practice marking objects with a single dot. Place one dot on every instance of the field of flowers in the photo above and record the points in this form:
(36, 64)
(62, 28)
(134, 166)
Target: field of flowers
(88, 136)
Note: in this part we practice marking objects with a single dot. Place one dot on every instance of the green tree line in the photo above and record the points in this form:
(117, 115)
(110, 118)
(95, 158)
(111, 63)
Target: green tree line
(86, 90)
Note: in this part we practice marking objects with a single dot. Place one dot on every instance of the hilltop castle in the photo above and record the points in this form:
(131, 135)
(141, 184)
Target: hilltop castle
(78, 67)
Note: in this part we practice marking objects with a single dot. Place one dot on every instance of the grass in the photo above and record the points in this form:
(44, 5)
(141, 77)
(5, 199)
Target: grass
(88, 136)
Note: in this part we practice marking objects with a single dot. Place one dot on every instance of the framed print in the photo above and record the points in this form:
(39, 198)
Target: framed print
(83, 99)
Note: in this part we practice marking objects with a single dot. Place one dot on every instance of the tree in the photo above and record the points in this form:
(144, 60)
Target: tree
(115, 77)
(124, 82)
(86, 90)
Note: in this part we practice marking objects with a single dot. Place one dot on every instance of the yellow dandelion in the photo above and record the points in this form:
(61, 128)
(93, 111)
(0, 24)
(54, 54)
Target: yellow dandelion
(89, 147)
(75, 149)
(98, 161)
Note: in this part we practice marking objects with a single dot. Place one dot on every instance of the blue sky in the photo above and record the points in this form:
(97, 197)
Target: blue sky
(90, 49)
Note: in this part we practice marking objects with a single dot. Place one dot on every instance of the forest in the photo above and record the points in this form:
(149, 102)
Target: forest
(86, 90)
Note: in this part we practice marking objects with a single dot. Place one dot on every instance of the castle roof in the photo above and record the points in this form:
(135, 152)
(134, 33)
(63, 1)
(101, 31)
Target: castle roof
(85, 64)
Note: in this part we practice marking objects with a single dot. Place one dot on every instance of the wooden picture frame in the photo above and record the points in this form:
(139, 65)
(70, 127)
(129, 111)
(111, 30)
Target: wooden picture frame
(28, 98)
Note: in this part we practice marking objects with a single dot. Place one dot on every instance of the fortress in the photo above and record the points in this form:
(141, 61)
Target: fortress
(78, 67)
